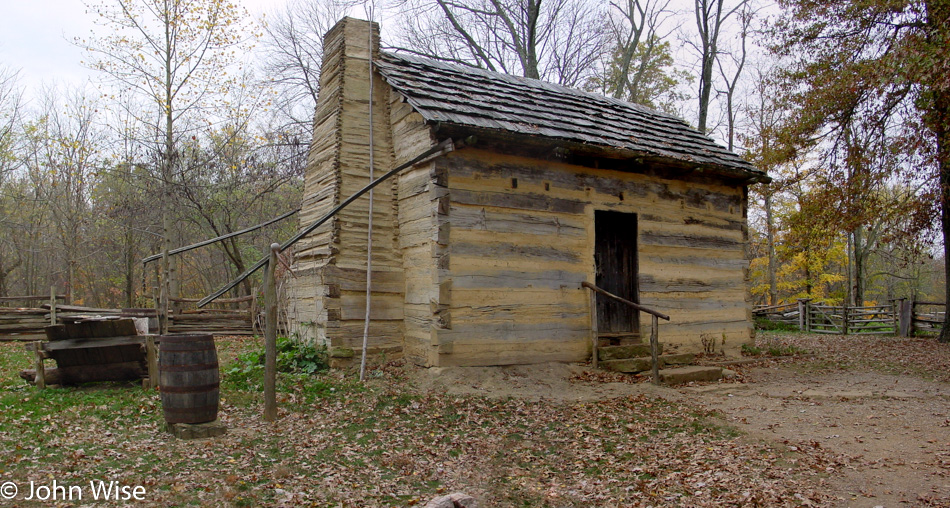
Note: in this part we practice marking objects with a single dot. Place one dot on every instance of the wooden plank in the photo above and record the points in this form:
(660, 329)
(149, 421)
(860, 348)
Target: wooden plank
(94, 343)
(151, 360)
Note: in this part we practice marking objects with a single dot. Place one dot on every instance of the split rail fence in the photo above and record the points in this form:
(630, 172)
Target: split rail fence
(899, 317)
(29, 321)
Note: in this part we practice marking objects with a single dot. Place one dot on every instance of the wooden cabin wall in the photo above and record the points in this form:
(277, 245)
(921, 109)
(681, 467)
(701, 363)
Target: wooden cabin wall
(328, 287)
(522, 240)
(418, 193)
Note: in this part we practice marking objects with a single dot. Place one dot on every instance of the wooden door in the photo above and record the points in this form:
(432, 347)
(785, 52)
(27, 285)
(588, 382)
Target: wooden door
(615, 255)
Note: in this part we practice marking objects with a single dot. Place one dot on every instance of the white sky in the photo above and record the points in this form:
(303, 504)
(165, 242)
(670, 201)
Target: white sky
(35, 38)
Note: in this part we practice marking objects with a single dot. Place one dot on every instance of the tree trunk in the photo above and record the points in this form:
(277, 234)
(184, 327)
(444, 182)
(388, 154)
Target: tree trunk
(860, 256)
(770, 239)
(943, 155)
(849, 279)
(705, 87)
(937, 120)
(129, 269)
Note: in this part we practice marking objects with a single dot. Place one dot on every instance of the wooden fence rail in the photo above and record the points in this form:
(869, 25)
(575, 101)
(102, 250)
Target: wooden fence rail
(900, 317)
(29, 324)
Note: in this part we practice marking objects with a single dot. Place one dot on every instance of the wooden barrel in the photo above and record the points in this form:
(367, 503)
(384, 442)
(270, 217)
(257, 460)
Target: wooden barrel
(188, 378)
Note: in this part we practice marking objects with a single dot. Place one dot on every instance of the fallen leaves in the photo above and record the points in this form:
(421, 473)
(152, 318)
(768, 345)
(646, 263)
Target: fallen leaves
(391, 445)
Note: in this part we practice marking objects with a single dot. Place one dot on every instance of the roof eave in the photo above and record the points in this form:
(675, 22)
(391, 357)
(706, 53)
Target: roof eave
(748, 175)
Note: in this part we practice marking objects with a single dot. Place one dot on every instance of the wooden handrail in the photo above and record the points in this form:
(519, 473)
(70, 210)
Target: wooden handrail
(654, 329)
(637, 306)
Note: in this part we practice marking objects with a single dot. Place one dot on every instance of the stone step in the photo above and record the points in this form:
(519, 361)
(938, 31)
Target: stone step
(625, 351)
(634, 365)
(682, 375)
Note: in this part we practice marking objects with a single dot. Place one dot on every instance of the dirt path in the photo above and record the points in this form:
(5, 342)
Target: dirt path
(895, 430)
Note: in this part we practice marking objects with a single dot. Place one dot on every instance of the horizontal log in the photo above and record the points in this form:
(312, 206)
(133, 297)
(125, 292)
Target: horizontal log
(22, 337)
(509, 250)
(211, 314)
(651, 284)
(789, 306)
(511, 333)
(24, 312)
(79, 308)
(692, 241)
(471, 217)
(507, 280)
(521, 201)
(126, 371)
(33, 298)
(242, 299)
(487, 166)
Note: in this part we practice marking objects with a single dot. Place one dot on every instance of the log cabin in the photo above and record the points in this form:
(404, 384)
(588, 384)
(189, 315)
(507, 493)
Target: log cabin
(478, 254)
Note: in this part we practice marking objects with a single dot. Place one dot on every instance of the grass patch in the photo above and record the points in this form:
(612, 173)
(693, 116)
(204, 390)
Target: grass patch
(376, 444)
(767, 324)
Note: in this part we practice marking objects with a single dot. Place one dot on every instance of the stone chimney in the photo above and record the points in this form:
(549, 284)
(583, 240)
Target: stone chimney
(327, 291)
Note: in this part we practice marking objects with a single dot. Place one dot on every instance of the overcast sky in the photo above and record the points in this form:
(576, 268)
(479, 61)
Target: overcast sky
(35, 38)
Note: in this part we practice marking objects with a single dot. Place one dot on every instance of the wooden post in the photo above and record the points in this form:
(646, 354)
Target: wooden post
(593, 328)
(654, 349)
(52, 305)
(158, 292)
(252, 313)
(906, 318)
(896, 305)
(38, 362)
(801, 315)
(845, 310)
(151, 359)
(270, 337)
(808, 315)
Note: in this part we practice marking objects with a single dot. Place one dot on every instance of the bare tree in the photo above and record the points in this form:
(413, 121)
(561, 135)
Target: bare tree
(731, 80)
(176, 54)
(634, 30)
(711, 15)
(554, 40)
(11, 98)
(293, 54)
(62, 159)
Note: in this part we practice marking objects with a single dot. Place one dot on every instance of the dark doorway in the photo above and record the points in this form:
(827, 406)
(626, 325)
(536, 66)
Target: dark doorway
(615, 255)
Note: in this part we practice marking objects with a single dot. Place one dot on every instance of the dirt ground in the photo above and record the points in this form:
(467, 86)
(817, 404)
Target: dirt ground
(892, 431)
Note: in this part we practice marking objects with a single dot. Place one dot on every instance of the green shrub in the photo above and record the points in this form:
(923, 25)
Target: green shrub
(293, 357)
(762, 323)
(750, 350)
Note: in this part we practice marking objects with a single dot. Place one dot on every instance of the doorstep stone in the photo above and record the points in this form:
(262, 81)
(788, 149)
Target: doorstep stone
(626, 351)
(682, 375)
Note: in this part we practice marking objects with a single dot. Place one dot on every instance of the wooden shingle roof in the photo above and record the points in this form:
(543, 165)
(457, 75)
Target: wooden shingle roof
(481, 99)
